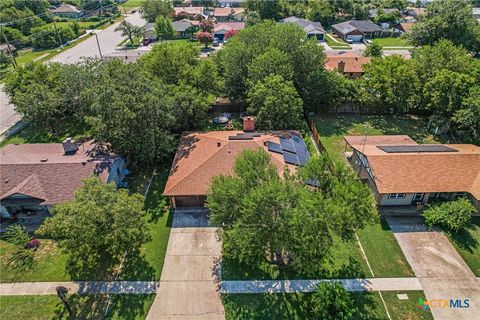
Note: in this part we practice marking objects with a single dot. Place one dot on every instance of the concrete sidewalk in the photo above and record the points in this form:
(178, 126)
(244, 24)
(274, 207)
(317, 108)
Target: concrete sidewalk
(279, 286)
(80, 287)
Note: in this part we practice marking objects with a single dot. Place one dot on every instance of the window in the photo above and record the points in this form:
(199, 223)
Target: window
(396, 196)
(459, 195)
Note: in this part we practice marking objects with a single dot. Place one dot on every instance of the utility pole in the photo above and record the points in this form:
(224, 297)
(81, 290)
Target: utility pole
(101, 8)
(58, 35)
(98, 44)
(62, 294)
(14, 63)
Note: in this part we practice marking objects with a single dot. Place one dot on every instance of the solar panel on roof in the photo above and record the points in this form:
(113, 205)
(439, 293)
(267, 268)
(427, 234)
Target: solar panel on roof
(287, 145)
(249, 134)
(416, 148)
(290, 158)
(240, 138)
(274, 147)
(303, 158)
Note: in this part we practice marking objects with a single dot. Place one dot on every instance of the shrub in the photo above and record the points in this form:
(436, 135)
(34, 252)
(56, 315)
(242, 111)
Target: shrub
(17, 235)
(453, 215)
(33, 244)
(331, 300)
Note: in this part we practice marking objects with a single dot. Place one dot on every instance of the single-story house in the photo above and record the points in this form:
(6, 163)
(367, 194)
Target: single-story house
(404, 27)
(149, 31)
(67, 11)
(350, 64)
(227, 14)
(312, 29)
(204, 155)
(402, 172)
(220, 29)
(189, 12)
(35, 177)
(181, 26)
(6, 48)
(414, 12)
(476, 13)
(229, 3)
(373, 13)
(356, 30)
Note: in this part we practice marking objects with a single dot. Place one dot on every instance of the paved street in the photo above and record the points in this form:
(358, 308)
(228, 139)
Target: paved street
(108, 38)
(360, 47)
(440, 269)
(8, 115)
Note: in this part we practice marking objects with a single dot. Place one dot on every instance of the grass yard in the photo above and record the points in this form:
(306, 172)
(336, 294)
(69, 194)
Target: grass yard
(25, 56)
(83, 24)
(346, 261)
(297, 305)
(339, 44)
(148, 265)
(467, 244)
(130, 4)
(133, 307)
(391, 42)
(333, 127)
(384, 254)
(49, 264)
(35, 134)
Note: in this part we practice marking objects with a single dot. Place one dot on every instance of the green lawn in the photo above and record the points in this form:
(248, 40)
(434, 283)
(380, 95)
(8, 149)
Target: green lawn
(346, 261)
(133, 307)
(25, 56)
(131, 4)
(333, 127)
(391, 42)
(148, 265)
(297, 305)
(36, 134)
(49, 264)
(83, 24)
(467, 244)
(384, 254)
(339, 44)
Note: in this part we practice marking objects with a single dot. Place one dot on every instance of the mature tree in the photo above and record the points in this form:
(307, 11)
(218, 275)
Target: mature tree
(252, 18)
(171, 62)
(266, 9)
(206, 77)
(275, 103)
(205, 38)
(23, 20)
(206, 25)
(230, 33)
(468, 117)
(132, 111)
(331, 301)
(271, 62)
(452, 215)
(97, 227)
(190, 32)
(35, 91)
(389, 82)
(448, 19)
(271, 220)
(129, 30)
(164, 28)
(151, 9)
(320, 10)
(373, 50)
(14, 36)
(305, 56)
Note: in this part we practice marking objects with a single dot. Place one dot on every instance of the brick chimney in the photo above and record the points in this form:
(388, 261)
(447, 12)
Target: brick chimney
(248, 124)
(341, 66)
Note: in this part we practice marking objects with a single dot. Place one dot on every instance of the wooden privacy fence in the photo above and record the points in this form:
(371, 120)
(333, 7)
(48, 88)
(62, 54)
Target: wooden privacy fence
(316, 136)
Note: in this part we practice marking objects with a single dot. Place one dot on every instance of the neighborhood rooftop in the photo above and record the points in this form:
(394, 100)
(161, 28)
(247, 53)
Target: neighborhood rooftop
(399, 164)
(50, 173)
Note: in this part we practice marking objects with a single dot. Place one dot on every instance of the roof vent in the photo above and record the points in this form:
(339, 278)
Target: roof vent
(69, 146)
(44, 160)
(218, 144)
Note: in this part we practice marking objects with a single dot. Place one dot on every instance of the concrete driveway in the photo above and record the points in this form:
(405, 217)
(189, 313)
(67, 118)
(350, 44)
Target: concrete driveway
(8, 115)
(189, 283)
(440, 269)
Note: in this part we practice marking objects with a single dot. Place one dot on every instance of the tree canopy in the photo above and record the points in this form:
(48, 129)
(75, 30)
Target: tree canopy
(97, 227)
(268, 219)
(151, 9)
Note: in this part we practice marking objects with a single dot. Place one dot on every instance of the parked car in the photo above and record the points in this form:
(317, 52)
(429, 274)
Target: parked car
(350, 41)
(216, 42)
(367, 42)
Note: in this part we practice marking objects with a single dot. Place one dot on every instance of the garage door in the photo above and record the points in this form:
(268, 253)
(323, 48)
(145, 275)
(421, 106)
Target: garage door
(189, 201)
(355, 38)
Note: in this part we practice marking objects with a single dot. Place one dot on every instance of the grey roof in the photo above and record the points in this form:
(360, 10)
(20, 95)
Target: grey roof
(149, 26)
(476, 11)
(308, 26)
(372, 13)
(182, 25)
(362, 25)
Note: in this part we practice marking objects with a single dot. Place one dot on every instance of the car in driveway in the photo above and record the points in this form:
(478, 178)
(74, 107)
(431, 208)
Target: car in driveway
(216, 42)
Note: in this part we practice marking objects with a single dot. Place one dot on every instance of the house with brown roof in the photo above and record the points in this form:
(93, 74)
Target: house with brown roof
(350, 64)
(220, 29)
(189, 12)
(402, 172)
(403, 27)
(204, 155)
(35, 177)
(227, 14)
